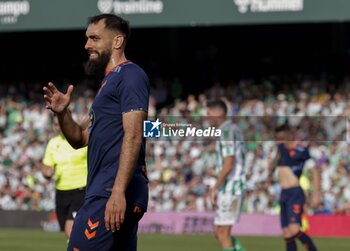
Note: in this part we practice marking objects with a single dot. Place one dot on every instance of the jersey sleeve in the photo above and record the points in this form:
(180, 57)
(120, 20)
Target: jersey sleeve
(134, 92)
(48, 158)
(227, 143)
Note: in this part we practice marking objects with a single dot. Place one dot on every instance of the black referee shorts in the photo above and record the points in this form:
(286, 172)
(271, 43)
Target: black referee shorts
(68, 203)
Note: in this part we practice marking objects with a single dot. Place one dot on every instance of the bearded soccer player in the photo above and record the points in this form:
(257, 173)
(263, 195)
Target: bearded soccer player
(117, 185)
(290, 160)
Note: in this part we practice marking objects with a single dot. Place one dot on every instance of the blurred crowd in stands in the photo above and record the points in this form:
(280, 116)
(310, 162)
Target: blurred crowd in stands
(25, 128)
(181, 171)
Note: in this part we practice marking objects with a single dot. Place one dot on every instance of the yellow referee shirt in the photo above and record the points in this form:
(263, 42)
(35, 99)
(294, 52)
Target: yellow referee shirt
(70, 164)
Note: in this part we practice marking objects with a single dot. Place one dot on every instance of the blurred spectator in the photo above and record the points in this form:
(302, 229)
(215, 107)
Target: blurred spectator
(321, 209)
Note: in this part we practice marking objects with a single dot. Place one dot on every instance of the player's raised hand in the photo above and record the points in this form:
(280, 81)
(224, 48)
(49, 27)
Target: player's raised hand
(57, 101)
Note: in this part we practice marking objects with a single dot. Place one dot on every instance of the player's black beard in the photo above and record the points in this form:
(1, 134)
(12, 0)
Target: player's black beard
(97, 67)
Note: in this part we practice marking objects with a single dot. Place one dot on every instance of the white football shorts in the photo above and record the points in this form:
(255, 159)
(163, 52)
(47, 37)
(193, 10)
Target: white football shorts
(228, 209)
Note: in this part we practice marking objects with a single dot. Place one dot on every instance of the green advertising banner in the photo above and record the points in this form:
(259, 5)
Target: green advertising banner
(25, 15)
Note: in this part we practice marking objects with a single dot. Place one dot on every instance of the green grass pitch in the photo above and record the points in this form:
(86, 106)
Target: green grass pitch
(36, 240)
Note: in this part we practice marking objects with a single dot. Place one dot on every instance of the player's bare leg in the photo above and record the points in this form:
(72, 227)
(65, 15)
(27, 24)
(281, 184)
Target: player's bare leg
(68, 228)
(223, 234)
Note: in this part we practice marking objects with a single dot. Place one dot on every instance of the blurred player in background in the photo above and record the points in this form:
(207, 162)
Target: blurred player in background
(228, 192)
(117, 185)
(69, 168)
(290, 160)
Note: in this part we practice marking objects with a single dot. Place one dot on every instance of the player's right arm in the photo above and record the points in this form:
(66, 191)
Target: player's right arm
(58, 102)
(316, 187)
(76, 134)
(273, 159)
(226, 170)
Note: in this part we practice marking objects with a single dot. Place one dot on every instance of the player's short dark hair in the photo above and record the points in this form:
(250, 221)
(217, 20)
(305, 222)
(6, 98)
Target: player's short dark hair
(217, 103)
(112, 22)
(283, 128)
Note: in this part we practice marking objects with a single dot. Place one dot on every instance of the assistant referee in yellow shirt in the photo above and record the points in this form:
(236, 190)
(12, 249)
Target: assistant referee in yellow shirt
(69, 168)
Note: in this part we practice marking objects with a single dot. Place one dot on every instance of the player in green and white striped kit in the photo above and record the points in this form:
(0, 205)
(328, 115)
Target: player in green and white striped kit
(228, 192)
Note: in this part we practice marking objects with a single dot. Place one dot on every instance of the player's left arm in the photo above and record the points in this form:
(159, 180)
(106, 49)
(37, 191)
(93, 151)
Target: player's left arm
(316, 180)
(116, 205)
(316, 186)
